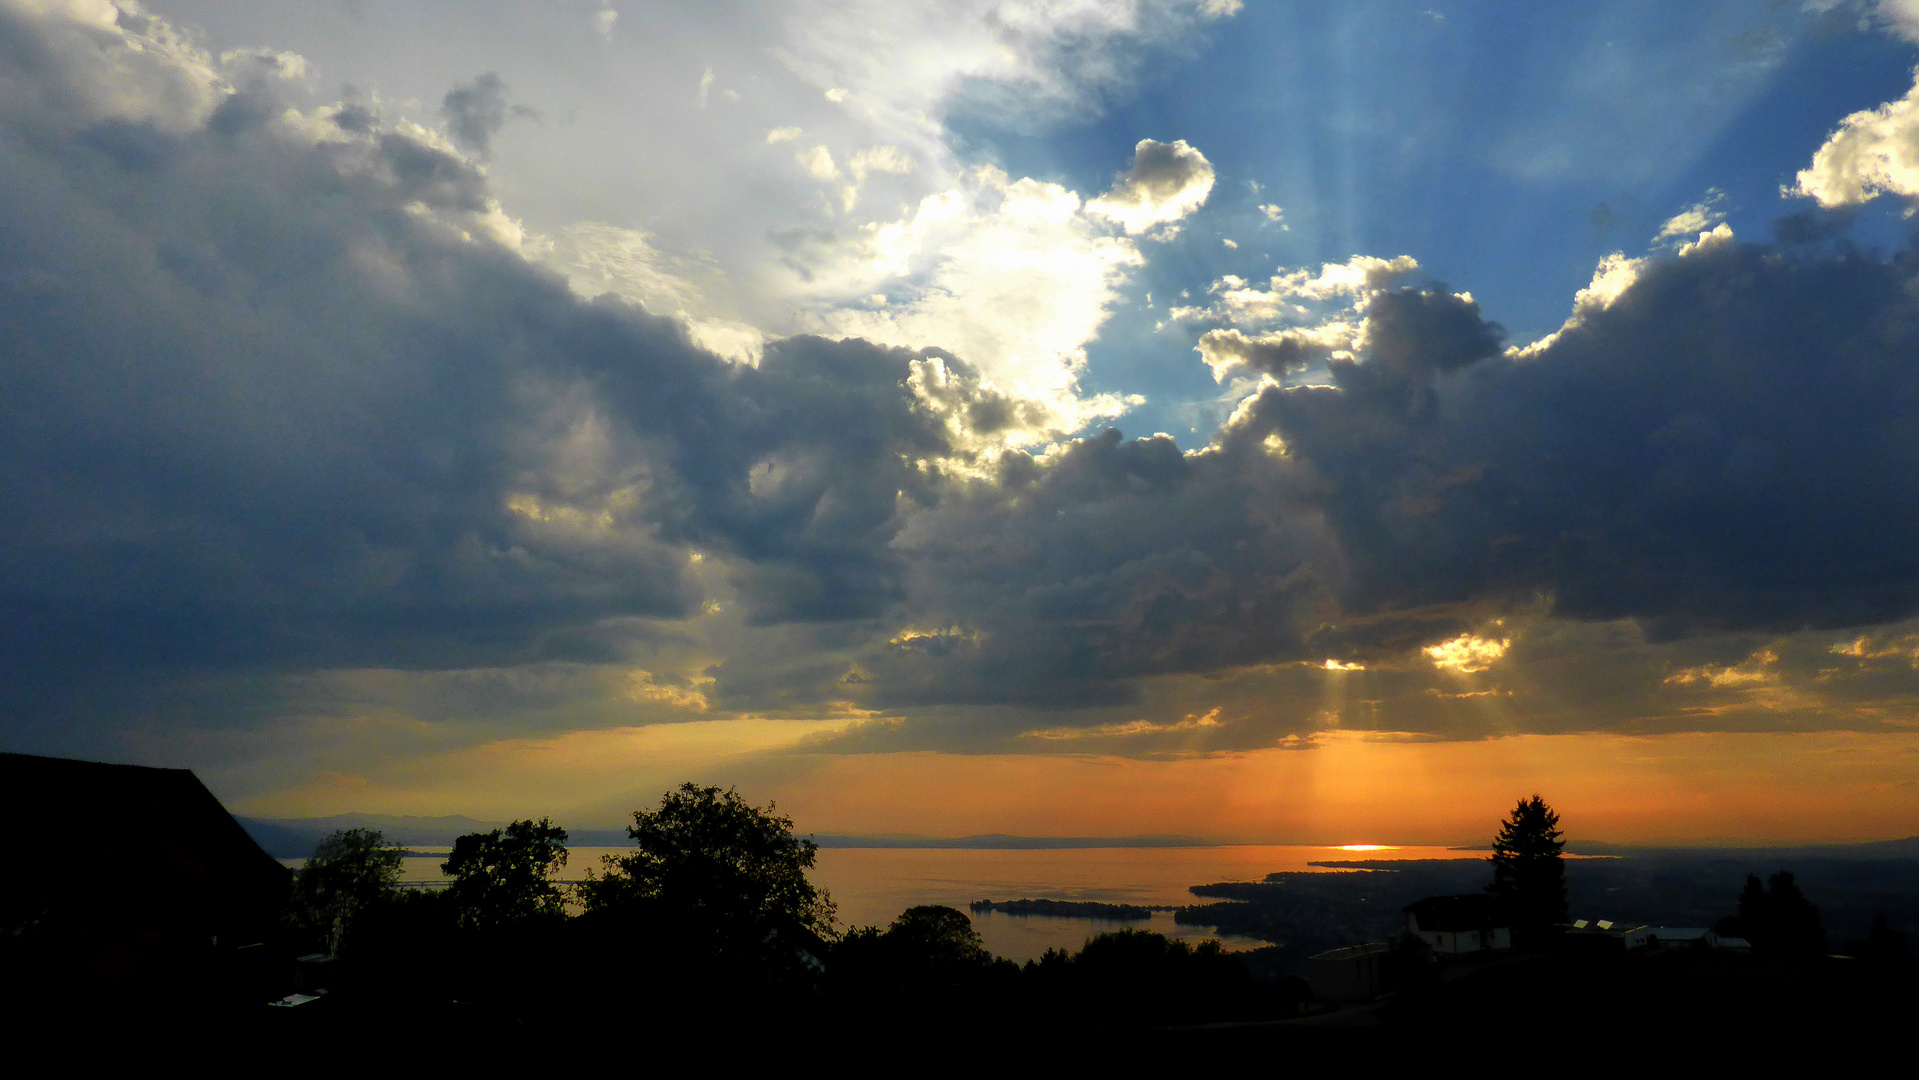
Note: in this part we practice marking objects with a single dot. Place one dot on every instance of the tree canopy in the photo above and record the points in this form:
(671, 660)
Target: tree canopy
(350, 871)
(1528, 870)
(929, 944)
(1778, 919)
(728, 876)
(506, 876)
(938, 935)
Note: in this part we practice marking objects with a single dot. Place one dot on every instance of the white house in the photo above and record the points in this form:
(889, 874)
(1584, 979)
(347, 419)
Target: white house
(1460, 924)
(1615, 935)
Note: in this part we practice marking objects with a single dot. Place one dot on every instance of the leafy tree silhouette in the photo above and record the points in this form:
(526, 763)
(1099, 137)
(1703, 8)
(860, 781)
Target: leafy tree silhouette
(931, 948)
(1529, 873)
(938, 936)
(727, 880)
(506, 876)
(350, 872)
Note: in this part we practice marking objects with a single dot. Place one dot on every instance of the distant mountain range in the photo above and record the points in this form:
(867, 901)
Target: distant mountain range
(1005, 842)
(295, 838)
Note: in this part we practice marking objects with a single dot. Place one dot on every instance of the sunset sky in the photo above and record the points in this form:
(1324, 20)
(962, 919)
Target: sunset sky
(1269, 421)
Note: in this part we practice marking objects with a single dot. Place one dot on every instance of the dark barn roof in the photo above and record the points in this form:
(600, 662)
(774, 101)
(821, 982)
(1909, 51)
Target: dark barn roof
(140, 853)
(1473, 911)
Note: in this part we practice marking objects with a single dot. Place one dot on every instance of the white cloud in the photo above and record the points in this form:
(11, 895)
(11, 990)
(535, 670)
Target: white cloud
(604, 20)
(599, 259)
(861, 89)
(706, 85)
(1874, 151)
(1615, 274)
(1467, 654)
(1166, 182)
(1008, 274)
(818, 163)
(885, 159)
(1716, 237)
(1295, 295)
(1695, 219)
(1229, 350)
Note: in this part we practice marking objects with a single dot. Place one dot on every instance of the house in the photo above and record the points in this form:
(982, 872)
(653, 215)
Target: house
(1604, 936)
(1460, 924)
(1354, 973)
(139, 881)
(1682, 937)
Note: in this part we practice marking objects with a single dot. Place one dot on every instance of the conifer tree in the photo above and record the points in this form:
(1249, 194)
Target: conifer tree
(1528, 871)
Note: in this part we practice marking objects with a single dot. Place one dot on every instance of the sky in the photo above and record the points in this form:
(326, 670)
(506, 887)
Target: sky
(1267, 421)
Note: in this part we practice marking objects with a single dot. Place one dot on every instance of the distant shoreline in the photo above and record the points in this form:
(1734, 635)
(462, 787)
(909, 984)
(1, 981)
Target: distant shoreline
(1000, 842)
(295, 837)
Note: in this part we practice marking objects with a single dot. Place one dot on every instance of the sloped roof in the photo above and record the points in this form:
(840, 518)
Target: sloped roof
(161, 854)
(1473, 911)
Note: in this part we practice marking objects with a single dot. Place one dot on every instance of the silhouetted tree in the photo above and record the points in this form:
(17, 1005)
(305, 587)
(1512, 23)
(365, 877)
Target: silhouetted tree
(350, 872)
(1140, 974)
(506, 876)
(725, 882)
(1528, 870)
(938, 936)
(1778, 919)
(929, 949)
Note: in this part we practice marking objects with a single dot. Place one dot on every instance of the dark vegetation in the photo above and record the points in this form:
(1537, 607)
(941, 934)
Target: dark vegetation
(1308, 913)
(1529, 875)
(713, 905)
(709, 928)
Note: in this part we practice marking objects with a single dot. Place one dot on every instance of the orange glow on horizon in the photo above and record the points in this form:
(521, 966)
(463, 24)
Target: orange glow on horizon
(1338, 784)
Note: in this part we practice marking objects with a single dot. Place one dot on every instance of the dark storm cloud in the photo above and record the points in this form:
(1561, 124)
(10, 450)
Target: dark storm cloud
(1116, 559)
(279, 395)
(476, 111)
(270, 397)
(1728, 447)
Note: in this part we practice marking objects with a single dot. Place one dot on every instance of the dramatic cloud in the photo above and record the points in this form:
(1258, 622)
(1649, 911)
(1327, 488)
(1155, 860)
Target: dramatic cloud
(1166, 182)
(476, 111)
(1275, 353)
(1012, 276)
(1700, 217)
(298, 422)
(282, 393)
(1873, 152)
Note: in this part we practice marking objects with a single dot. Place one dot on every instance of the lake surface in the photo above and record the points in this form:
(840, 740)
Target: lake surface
(871, 886)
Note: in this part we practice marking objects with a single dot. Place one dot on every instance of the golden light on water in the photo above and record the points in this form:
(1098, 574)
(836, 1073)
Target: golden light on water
(1366, 847)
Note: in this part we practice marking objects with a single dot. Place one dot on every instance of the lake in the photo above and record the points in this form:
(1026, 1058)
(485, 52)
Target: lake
(871, 886)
